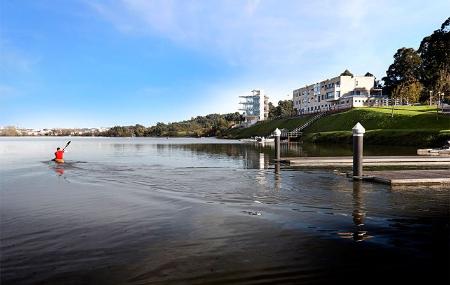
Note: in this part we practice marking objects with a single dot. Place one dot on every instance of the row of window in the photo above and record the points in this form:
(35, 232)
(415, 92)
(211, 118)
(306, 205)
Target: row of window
(331, 85)
(329, 95)
(316, 88)
(319, 107)
(341, 102)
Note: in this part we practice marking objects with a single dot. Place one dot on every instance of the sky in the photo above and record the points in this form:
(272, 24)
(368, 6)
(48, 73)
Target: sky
(93, 63)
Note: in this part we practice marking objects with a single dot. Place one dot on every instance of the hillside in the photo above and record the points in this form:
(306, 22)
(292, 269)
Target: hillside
(405, 117)
(410, 125)
(267, 127)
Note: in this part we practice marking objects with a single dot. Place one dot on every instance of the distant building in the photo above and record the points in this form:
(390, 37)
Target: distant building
(255, 107)
(341, 92)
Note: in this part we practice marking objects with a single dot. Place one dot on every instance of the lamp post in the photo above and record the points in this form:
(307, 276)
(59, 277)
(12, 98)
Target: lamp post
(437, 104)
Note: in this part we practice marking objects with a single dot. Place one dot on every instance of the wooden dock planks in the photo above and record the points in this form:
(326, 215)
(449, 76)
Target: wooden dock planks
(411, 177)
(405, 177)
(368, 161)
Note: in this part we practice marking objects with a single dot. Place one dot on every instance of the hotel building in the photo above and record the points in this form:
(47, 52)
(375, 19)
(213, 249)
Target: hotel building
(341, 92)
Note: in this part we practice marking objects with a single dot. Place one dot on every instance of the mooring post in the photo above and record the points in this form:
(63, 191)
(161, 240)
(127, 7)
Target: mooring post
(277, 134)
(358, 135)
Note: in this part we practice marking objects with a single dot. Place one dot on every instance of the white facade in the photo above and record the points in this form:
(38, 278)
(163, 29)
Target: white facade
(333, 94)
(255, 107)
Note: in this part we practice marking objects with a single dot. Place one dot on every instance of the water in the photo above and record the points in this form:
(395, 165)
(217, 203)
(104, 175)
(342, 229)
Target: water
(207, 211)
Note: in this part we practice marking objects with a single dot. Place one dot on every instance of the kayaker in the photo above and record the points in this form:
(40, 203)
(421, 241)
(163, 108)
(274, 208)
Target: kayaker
(59, 155)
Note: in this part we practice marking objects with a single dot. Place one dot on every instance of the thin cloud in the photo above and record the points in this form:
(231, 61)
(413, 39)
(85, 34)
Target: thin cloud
(268, 32)
(7, 91)
(15, 60)
(243, 32)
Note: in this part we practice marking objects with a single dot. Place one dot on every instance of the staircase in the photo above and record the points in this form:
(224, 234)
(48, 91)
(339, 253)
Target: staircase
(297, 132)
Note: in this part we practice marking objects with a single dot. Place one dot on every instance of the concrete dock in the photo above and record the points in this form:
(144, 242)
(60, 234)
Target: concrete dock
(410, 177)
(345, 161)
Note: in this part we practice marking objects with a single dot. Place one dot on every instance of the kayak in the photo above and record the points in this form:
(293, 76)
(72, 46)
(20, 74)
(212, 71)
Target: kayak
(58, 160)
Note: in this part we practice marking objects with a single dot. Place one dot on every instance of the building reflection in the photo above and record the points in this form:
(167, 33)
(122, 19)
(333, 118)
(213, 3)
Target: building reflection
(254, 156)
(254, 159)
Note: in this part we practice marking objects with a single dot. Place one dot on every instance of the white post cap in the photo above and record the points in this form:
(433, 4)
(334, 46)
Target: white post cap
(358, 130)
(277, 132)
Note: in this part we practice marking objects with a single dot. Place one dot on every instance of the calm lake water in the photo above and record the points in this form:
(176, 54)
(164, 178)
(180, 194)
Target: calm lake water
(208, 211)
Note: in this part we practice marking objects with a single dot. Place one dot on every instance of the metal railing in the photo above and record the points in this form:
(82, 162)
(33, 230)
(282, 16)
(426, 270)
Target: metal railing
(299, 130)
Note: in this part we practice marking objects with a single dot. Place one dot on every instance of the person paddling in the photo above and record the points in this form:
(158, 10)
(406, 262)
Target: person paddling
(59, 154)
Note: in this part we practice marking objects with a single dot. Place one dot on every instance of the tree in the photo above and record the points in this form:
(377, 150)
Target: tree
(272, 111)
(442, 84)
(408, 91)
(403, 71)
(378, 84)
(347, 73)
(234, 117)
(139, 130)
(285, 108)
(9, 131)
(435, 54)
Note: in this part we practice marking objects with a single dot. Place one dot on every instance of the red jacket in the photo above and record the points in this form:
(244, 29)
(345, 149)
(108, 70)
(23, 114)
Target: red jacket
(59, 154)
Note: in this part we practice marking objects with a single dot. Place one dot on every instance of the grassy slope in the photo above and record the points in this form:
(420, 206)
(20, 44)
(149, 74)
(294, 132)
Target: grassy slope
(266, 128)
(415, 126)
(411, 125)
(411, 118)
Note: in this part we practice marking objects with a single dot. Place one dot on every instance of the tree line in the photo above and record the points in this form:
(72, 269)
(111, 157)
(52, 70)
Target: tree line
(200, 126)
(422, 74)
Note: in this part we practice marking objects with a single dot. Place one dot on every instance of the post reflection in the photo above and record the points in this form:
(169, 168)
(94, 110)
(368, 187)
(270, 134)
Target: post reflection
(359, 215)
(277, 179)
(358, 232)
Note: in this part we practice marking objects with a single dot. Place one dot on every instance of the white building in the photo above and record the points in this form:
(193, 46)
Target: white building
(255, 107)
(341, 92)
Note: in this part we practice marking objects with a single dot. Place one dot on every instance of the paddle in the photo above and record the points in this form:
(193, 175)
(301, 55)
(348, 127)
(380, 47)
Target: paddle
(67, 145)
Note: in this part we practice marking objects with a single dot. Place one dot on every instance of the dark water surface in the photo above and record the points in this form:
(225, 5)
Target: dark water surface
(206, 211)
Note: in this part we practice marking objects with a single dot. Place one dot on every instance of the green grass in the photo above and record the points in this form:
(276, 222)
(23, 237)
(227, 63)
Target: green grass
(267, 127)
(417, 137)
(405, 117)
(411, 125)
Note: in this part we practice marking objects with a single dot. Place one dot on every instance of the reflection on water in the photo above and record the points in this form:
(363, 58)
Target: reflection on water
(206, 211)
(358, 214)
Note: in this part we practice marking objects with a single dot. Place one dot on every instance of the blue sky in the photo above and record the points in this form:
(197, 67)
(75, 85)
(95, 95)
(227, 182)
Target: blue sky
(104, 63)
